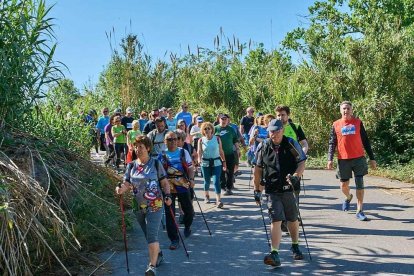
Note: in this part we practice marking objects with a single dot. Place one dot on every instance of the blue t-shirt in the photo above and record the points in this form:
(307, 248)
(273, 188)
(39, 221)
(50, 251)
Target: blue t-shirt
(171, 124)
(186, 116)
(102, 122)
(142, 123)
(175, 170)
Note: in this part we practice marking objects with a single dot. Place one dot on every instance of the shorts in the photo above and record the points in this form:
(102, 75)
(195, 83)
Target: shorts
(346, 166)
(282, 206)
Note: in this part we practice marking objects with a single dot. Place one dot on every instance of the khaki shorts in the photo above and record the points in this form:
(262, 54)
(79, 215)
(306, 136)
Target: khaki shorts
(282, 206)
(346, 166)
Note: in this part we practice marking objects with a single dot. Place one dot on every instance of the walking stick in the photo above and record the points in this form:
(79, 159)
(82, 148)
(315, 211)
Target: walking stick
(124, 232)
(297, 208)
(250, 176)
(179, 234)
(264, 224)
(205, 221)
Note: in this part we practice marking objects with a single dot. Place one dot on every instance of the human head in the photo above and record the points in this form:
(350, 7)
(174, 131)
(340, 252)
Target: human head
(143, 115)
(181, 136)
(275, 130)
(170, 112)
(283, 113)
(182, 125)
(112, 119)
(163, 111)
(159, 124)
(129, 112)
(171, 141)
(105, 111)
(117, 111)
(155, 113)
(250, 111)
(224, 120)
(199, 120)
(206, 127)
(267, 118)
(117, 120)
(184, 107)
(142, 145)
(135, 124)
(346, 109)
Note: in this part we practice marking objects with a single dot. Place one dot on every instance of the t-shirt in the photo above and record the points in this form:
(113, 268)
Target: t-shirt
(145, 179)
(121, 139)
(142, 123)
(157, 140)
(228, 138)
(171, 124)
(127, 122)
(299, 135)
(102, 122)
(132, 134)
(196, 132)
(211, 150)
(186, 116)
(108, 132)
(247, 123)
(171, 160)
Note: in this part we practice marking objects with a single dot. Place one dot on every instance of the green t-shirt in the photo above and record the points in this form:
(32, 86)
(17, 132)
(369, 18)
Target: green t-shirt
(228, 138)
(121, 139)
(132, 134)
(289, 132)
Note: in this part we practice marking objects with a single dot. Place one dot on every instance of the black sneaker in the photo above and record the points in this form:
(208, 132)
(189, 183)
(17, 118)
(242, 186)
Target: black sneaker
(297, 254)
(187, 232)
(272, 259)
(174, 245)
(160, 259)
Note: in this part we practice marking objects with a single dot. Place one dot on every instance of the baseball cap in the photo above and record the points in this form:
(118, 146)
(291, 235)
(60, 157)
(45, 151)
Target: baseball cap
(224, 116)
(200, 119)
(117, 110)
(129, 110)
(275, 125)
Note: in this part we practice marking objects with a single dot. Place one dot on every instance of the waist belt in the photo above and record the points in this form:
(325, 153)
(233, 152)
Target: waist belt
(208, 159)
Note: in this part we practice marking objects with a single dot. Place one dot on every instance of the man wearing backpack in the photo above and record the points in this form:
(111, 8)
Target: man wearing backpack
(157, 137)
(177, 163)
(280, 164)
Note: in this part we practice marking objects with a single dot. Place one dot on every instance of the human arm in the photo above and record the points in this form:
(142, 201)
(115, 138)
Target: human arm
(367, 147)
(305, 146)
(199, 150)
(222, 156)
(333, 141)
(165, 185)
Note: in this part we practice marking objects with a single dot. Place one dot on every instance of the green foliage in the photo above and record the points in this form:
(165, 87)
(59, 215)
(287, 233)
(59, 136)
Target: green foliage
(26, 57)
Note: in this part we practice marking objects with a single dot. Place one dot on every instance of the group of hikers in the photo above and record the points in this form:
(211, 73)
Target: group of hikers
(161, 156)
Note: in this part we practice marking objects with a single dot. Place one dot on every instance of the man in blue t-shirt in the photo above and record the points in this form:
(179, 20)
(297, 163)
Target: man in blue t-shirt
(100, 126)
(184, 114)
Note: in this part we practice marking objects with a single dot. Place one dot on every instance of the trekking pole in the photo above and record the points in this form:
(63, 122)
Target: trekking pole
(205, 221)
(303, 185)
(264, 224)
(250, 176)
(179, 234)
(124, 232)
(303, 227)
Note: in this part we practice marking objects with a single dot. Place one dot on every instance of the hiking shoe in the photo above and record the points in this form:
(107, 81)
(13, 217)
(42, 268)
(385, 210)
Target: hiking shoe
(207, 199)
(174, 245)
(220, 205)
(187, 232)
(238, 173)
(297, 254)
(228, 192)
(181, 219)
(151, 271)
(160, 259)
(283, 226)
(272, 259)
(347, 203)
(361, 216)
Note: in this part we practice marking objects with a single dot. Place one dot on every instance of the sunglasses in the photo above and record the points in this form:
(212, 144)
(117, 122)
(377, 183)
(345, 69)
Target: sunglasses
(105, 111)
(207, 128)
(171, 139)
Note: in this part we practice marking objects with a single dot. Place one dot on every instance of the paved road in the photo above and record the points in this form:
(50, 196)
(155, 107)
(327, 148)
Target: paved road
(339, 243)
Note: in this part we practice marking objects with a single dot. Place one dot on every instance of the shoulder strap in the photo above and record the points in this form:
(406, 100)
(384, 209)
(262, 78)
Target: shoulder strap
(184, 163)
(295, 129)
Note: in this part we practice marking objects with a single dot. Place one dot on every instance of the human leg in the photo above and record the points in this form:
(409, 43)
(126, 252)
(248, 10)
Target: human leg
(187, 207)
(217, 188)
(230, 163)
(170, 221)
(207, 180)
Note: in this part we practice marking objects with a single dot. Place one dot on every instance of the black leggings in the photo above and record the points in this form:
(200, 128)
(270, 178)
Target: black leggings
(226, 178)
(186, 206)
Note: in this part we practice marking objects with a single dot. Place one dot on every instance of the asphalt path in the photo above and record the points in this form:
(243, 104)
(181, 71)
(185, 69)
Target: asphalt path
(339, 244)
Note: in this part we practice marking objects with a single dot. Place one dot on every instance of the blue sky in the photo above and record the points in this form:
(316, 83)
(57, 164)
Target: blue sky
(163, 26)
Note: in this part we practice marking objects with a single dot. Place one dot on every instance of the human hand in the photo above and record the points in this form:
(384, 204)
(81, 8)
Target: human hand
(373, 164)
(168, 200)
(329, 166)
(294, 180)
